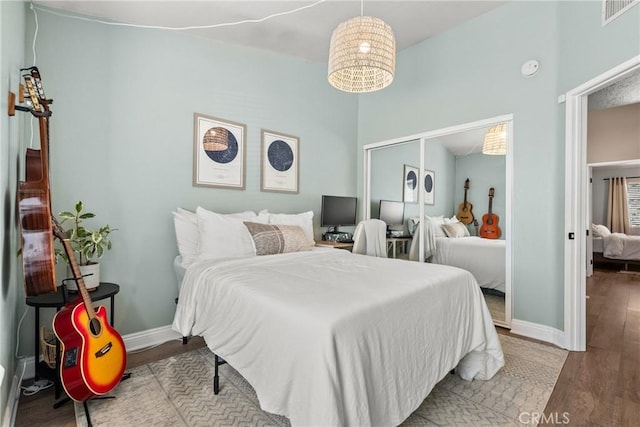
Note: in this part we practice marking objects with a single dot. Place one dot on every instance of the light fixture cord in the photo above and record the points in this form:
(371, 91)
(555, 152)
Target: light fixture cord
(361, 7)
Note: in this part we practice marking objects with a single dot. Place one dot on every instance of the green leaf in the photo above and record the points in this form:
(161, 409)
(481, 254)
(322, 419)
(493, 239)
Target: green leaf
(87, 215)
(78, 206)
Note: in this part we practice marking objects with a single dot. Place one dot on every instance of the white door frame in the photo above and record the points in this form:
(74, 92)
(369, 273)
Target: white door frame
(576, 198)
(509, 187)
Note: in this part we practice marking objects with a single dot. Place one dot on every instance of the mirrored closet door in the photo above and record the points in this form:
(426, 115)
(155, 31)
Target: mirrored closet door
(464, 196)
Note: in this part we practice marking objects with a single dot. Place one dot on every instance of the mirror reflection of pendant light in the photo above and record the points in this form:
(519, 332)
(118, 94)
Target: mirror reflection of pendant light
(495, 140)
(216, 139)
(362, 54)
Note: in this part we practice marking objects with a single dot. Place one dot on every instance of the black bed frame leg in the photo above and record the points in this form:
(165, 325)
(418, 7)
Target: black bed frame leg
(216, 379)
(184, 340)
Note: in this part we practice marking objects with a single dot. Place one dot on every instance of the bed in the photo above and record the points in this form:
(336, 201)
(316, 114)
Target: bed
(615, 246)
(449, 243)
(484, 258)
(327, 337)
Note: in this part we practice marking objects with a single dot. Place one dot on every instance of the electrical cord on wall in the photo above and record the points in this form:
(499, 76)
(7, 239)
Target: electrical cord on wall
(190, 27)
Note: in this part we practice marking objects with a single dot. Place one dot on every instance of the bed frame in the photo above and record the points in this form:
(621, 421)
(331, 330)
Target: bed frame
(217, 362)
(600, 260)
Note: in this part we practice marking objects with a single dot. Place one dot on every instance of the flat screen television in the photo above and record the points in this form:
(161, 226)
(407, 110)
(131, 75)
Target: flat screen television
(337, 211)
(391, 212)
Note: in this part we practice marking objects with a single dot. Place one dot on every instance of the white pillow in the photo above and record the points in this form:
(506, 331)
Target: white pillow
(303, 220)
(437, 222)
(186, 225)
(600, 230)
(456, 229)
(224, 236)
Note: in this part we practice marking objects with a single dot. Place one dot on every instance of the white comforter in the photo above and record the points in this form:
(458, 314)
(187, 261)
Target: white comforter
(622, 246)
(484, 258)
(330, 338)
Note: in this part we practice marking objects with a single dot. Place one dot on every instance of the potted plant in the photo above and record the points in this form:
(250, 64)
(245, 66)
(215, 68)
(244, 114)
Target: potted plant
(87, 244)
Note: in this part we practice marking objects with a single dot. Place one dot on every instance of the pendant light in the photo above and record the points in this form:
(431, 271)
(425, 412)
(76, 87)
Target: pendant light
(495, 140)
(362, 54)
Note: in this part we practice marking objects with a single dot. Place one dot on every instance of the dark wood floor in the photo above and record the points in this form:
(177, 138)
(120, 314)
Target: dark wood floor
(599, 387)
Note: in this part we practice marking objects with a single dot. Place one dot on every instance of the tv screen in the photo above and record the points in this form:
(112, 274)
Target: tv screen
(338, 210)
(391, 212)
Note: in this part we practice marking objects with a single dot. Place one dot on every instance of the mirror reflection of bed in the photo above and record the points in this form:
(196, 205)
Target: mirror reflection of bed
(451, 160)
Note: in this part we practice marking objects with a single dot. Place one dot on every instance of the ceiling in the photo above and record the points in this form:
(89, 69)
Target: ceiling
(622, 92)
(305, 34)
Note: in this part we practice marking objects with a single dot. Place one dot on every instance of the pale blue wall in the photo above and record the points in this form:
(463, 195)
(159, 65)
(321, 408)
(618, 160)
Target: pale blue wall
(472, 72)
(122, 140)
(12, 43)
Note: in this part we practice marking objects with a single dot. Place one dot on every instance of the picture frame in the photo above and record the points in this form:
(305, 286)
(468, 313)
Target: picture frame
(279, 162)
(214, 164)
(410, 179)
(429, 187)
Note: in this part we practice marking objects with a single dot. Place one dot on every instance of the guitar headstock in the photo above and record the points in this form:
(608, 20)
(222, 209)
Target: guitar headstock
(466, 184)
(35, 91)
(491, 192)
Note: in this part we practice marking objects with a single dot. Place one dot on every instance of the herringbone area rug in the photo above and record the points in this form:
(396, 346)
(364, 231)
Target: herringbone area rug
(178, 392)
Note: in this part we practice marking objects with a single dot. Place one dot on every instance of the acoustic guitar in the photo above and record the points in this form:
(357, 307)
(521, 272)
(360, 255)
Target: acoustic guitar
(489, 228)
(464, 214)
(93, 353)
(34, 200)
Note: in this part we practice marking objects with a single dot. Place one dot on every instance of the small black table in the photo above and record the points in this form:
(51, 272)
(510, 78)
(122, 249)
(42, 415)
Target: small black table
(57, 301)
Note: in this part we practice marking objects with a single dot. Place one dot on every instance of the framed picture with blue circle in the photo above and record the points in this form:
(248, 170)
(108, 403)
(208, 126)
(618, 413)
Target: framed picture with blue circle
(429, 187)
(218, 152)
(280, 160)
(410, 184)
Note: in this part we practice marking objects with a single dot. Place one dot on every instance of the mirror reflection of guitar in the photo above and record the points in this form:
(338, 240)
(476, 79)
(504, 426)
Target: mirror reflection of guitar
(464, 214)
(93, 353)
(489, 228)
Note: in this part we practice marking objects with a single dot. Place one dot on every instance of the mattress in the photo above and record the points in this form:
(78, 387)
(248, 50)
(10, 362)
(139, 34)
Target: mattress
(334, 338)
(484, 258)
(598, 244)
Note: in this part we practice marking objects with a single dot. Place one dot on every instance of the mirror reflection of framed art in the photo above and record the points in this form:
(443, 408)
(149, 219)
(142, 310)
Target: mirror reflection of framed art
(410, 184)
(280, 162)
(429, 187)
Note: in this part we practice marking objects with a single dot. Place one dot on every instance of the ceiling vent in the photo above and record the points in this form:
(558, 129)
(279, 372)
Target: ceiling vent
(611, 9)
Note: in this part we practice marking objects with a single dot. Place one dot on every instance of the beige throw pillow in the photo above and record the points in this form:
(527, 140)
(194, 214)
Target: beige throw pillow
(272, 239)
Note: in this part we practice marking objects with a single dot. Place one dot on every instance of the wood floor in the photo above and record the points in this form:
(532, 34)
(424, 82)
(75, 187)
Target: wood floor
(599, 387)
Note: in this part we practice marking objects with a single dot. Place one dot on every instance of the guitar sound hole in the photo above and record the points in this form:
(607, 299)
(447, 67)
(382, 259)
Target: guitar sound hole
(95, 327)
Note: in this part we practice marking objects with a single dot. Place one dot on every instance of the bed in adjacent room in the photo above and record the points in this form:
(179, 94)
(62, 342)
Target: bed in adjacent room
(615, 246)
(327, 337)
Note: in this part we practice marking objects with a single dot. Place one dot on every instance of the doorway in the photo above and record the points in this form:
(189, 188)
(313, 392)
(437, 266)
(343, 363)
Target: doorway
(577, 201)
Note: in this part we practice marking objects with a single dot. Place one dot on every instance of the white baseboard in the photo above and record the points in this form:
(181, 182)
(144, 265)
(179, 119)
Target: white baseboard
(132, 342)
(9, 418)
(538, 332)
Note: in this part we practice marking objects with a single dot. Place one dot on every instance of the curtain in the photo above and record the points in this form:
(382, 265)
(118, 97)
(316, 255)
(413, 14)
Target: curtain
(617, 211)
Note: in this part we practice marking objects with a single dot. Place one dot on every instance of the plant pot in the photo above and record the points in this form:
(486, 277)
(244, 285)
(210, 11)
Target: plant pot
(90, 274)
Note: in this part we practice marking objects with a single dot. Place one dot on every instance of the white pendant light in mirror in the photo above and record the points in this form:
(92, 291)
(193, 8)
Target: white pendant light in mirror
(495, 140)
(362, 55)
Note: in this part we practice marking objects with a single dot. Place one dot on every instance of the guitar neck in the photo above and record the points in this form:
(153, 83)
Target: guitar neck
(77, 275)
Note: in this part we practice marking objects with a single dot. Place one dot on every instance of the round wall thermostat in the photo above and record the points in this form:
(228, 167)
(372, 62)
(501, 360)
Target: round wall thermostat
(529, 68)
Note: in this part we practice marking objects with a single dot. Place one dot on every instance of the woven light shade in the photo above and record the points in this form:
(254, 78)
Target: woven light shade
(362, 55)
(216, 139)
(495, 140)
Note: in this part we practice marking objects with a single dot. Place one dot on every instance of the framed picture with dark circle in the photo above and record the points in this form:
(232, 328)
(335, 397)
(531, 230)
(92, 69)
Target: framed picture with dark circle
(410, 184)
(429, 187)
(218, 152)
(280, 160)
